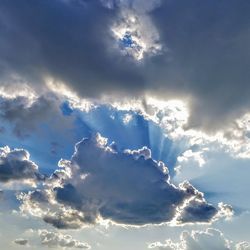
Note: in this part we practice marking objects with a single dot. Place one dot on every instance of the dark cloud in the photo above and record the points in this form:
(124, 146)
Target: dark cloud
(125, 187)
(208, 43)
(65, 221)
(129, 188)
(207, 57)
(24, 114)
(197, 211)
(21, 242)
(16, 165)
(68, 40)
(1, 195)
(45, 206)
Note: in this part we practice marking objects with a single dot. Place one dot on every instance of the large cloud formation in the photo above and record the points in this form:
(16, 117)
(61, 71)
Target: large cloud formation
(191, 49)
(101, 183)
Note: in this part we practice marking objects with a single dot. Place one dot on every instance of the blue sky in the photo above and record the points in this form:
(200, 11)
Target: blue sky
(124, 124)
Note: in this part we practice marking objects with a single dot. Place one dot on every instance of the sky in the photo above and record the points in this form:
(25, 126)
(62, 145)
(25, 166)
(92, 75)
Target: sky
(125, 124)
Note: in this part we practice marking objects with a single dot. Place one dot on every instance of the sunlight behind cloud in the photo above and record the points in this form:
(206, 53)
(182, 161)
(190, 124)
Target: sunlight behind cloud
(136, 35)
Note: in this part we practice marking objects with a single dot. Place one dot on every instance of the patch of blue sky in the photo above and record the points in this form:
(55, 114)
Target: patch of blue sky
(127, 41)
(66, 109)
(40, 145)
(135, 134)
(109, 123)
(48, 145)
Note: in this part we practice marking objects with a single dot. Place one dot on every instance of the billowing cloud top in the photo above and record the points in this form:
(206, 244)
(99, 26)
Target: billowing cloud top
(16, 165)
(130, 188)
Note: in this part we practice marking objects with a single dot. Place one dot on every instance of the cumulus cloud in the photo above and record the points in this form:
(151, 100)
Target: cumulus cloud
(40, 203)
(205, 240)
(54, 239)
(100, 183)
(15, 165)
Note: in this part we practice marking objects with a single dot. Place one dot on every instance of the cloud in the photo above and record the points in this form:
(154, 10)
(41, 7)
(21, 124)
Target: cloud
(134, 31)
(54, 239)
(1, 195)
(207, 53)
(42, 203)
(21, 242)
(15, 165)
(100, 183)
(210, 57)
(194, 211)
(205, 240)
(24, 113)
(50, 52)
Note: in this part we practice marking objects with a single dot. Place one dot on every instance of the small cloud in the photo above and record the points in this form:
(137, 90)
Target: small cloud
(22, 242)
(54, 239)
(127, 118)
(15, 165)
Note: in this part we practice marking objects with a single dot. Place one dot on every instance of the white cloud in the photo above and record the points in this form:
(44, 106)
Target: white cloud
(127, 118)
(197, 240)
(55, 239)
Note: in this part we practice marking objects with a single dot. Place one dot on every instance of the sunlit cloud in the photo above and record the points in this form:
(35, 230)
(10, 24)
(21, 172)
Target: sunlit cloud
(124, 121)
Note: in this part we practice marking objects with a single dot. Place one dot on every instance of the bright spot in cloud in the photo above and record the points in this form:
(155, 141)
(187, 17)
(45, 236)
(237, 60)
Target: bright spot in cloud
(136, 35)
(127, 118)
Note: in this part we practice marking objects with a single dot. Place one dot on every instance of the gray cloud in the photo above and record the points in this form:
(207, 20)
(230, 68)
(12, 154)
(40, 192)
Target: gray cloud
(125, 187)
(197, 211)
(25, 114)
(22, 242)
(129, 188)
(16, 165)
(207, 55)
(1, 195)
(208, 43)
(63, 45)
